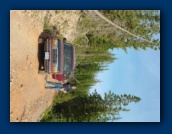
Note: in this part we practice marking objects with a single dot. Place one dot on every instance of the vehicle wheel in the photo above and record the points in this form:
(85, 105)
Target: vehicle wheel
(40, 40)
(42, 72)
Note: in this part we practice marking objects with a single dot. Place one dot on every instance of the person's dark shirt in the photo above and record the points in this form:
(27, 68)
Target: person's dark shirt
(67, 86)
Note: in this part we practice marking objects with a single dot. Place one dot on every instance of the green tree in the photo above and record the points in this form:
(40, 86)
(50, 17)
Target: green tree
(139, 27)
(92, 108)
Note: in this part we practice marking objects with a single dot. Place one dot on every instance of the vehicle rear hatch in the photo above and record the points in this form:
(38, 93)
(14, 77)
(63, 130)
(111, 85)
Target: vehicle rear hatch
(53, 55)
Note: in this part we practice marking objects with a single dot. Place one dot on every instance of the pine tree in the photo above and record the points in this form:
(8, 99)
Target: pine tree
(144, 24)
(92, 108)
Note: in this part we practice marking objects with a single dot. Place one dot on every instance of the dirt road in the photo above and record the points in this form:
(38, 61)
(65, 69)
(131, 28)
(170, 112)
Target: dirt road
(28, 97)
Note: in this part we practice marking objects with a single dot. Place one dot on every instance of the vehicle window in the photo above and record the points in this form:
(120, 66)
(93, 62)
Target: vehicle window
(67, 57)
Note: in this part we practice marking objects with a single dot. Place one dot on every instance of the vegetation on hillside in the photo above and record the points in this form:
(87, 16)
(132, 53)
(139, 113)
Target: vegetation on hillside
(94, 31)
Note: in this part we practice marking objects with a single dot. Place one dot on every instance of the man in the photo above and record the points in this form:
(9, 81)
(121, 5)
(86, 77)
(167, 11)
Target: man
(62, 86)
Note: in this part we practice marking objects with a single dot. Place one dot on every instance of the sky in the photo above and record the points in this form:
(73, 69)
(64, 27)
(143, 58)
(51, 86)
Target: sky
(136, 73)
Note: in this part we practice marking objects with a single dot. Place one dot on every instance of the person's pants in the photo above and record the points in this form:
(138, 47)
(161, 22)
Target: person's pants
(55, 86)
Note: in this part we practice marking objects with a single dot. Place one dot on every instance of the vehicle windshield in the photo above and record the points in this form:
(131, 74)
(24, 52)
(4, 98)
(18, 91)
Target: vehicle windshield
(67, 57)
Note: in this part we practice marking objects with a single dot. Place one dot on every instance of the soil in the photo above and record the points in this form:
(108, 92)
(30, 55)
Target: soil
(28, 96)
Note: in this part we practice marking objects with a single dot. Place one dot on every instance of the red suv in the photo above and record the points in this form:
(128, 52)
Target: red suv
(58, 58)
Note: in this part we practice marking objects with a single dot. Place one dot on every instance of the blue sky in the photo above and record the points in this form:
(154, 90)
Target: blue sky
(136, 73)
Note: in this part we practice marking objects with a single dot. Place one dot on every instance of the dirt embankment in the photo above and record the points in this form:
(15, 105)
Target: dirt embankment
(28, 97)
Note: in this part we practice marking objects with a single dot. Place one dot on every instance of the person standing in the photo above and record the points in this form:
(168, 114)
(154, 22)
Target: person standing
(62, 86)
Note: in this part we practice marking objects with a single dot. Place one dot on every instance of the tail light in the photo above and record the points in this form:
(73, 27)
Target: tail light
(58, 76)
